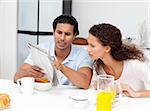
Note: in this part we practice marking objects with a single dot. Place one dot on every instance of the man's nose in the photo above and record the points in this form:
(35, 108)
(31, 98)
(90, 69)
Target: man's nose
(62, 36)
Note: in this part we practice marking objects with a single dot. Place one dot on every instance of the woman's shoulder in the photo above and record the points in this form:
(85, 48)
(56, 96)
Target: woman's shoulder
(134, 63)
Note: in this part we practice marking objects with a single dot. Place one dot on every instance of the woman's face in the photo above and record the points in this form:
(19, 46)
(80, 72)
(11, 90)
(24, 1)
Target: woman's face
(95, 49)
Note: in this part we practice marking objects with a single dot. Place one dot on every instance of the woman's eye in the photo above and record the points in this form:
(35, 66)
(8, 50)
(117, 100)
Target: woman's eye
(91, 45)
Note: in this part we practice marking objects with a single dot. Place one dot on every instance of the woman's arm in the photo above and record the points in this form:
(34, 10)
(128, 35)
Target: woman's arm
(128, 91)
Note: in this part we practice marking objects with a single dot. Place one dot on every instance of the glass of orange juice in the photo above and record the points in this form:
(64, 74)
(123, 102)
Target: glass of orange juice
(105, 92)
(117, 92)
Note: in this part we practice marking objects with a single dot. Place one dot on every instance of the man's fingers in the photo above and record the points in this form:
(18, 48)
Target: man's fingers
(36, 68)
(36, 73)
(58, 65)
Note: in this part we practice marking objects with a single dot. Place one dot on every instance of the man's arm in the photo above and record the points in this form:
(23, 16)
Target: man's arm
(80, 78)
(27, 70)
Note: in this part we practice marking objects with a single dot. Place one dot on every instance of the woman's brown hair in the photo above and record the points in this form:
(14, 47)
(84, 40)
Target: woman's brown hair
(109, 35)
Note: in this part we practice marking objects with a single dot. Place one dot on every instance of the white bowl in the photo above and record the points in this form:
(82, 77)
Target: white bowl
(91, 94)
(79, 102)
(42, 86)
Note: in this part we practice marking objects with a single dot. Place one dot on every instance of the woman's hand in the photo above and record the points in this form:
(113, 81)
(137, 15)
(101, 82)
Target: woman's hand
(128, 91)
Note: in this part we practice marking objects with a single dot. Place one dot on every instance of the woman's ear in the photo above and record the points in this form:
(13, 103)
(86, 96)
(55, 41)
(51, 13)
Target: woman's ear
(108, 48)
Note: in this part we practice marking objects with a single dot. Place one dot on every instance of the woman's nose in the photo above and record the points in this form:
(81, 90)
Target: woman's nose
(88, 48)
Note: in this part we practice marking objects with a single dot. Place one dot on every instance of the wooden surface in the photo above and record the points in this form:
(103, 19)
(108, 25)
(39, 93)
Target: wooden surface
(80, 41)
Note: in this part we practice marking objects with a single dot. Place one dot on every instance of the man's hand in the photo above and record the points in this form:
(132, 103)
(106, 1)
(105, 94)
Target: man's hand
(58, 65)
(26, 70)
(36, 72)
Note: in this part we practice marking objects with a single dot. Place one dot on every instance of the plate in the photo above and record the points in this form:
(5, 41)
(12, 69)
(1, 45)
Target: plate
(5, 109)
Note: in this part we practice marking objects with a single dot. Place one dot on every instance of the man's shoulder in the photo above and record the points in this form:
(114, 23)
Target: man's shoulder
(80, 49)
(81, 56)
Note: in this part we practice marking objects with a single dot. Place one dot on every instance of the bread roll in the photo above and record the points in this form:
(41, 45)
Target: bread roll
(4, 100)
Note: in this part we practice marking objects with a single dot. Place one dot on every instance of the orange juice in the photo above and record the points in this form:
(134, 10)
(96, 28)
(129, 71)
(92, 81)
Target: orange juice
(104, 101)
(113, 94)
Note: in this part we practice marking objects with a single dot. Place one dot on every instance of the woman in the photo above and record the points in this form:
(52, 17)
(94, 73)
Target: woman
(122, 61)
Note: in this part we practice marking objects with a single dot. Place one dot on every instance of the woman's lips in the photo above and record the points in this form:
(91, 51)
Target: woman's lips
(91, 55)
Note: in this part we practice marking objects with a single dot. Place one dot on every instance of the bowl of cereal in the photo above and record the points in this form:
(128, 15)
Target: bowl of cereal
(42, 85)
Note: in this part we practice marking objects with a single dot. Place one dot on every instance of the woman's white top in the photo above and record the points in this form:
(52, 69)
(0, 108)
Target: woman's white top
(136, 74)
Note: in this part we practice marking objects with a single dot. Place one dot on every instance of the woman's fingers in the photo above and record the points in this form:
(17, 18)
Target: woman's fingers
(128, 91)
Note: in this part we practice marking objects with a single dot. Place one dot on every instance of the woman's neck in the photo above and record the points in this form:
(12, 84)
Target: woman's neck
(113, 67)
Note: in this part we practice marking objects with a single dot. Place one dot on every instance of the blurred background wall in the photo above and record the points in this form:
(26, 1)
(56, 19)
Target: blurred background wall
(8, 38)
(23, 21)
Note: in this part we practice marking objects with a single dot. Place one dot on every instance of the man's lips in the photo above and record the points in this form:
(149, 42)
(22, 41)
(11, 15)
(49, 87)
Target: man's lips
(61, 43)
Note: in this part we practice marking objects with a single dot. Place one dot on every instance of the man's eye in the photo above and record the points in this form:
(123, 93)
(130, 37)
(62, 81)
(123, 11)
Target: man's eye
(59, 32)
(67, 34)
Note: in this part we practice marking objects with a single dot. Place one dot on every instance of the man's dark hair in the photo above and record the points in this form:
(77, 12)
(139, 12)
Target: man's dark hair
(68, 19)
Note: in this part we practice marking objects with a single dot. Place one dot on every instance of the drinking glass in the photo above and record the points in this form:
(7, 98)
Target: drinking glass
(117, 92)
(105, 92)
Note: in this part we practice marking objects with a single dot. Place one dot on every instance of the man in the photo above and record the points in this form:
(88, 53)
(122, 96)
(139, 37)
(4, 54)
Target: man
(73, 61)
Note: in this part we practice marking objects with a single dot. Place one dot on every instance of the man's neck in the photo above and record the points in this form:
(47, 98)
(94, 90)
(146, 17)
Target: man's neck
(61, 55)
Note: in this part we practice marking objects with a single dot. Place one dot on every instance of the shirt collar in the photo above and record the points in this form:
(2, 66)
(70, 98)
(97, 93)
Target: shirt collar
(69, 58)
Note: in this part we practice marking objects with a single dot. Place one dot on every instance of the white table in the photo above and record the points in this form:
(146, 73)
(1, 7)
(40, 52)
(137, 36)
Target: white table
(57, 99)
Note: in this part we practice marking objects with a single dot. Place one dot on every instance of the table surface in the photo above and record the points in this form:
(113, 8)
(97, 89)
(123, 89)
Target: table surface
(58, 99)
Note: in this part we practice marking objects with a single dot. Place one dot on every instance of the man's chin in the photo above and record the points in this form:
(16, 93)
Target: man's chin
(61, 47)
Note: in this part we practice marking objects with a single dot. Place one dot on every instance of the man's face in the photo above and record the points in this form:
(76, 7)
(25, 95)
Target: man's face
(64, 35)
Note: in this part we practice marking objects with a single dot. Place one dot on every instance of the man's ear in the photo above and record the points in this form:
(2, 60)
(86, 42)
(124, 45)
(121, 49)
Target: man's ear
(75, 35)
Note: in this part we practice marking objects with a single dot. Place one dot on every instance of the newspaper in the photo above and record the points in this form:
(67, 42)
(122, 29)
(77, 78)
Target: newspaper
(42, 59)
